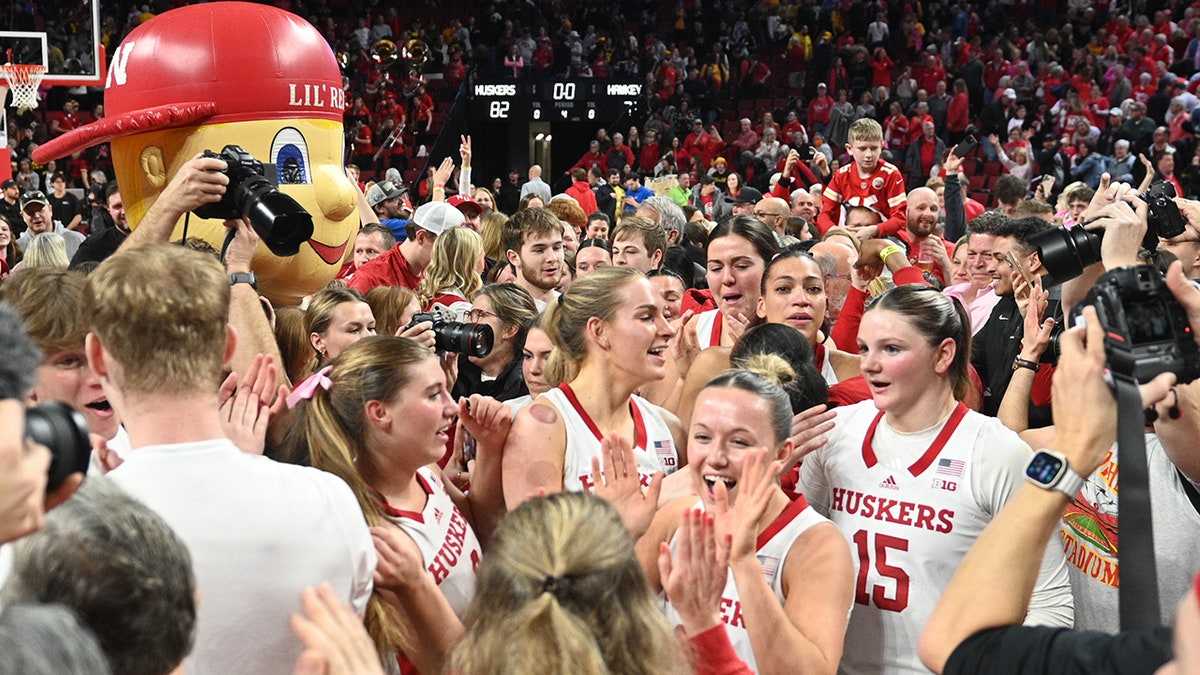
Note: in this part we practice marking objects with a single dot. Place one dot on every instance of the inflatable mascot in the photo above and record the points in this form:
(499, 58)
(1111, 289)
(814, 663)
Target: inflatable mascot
(205, 77)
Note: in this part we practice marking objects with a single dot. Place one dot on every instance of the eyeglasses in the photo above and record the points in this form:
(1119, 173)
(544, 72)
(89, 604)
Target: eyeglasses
(475, 315)
(764, 214)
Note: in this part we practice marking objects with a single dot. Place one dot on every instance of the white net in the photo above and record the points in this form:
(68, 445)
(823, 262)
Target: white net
(23, 79)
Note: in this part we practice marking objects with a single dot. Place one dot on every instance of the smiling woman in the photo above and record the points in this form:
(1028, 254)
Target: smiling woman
(611, 328)
(379, 417)
(789, 568)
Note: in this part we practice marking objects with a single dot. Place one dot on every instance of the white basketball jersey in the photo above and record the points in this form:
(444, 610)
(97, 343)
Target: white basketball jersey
(448, 545)
(708, 328)
(773, 546)
(653, 445)
(821, 357)
(909, 515)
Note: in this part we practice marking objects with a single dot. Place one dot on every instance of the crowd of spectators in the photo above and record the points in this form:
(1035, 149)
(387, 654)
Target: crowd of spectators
(738, 285)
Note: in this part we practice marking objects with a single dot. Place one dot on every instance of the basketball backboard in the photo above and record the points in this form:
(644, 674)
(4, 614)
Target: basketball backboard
(66, 41)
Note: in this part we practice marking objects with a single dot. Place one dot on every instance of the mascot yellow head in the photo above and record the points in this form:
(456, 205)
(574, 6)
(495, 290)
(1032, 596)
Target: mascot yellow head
(207, 76)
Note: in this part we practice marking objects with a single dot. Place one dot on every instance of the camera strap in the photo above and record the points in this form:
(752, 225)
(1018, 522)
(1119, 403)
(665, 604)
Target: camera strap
(1138, 592)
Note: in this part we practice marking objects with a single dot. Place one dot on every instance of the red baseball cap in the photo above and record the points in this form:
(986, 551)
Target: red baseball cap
(469, 207)
(215, 62)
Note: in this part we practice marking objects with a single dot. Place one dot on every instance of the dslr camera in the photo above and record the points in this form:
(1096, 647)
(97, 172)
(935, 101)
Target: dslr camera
(279, 220)
(63, 430)
(1065, 252)
(1146, 331)
(472, 339)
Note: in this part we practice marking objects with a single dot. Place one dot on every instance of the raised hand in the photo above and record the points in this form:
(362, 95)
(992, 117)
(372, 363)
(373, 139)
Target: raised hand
(620, 484)
(694, 578)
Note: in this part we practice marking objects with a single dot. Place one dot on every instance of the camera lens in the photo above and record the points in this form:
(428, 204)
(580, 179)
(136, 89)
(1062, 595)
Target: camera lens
(63, 430)
(1064, 252)
(280, 221)
(473, 339)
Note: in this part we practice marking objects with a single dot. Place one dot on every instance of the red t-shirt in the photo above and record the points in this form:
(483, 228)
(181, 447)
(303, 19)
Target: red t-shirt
(388, 269)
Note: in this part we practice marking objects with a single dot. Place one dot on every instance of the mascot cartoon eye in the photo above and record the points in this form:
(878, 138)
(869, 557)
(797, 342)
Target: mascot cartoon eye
(289, 154)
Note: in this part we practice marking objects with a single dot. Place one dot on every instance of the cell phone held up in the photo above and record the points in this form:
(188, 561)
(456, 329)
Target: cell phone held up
(965, 146)
(1016, 265)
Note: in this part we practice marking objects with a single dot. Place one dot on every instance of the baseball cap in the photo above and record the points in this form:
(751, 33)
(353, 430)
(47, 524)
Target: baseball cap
(1010, 93)
(748, 195)
(1117, 112)
(437, 217)
(468, 206)
(383, 191)
(7, 184)
(33, 197)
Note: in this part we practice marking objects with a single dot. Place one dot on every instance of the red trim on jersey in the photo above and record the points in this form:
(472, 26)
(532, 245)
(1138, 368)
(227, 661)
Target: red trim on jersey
(819, 355)
(401, 513)
(639, 424)
(788, 514)
(714, 336)
(935, 448)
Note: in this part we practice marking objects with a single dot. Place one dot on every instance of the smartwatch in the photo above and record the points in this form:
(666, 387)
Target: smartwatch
(244, 278)
(1050, 470)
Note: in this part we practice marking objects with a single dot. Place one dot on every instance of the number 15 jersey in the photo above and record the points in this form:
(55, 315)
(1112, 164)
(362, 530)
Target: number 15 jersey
(911, 505)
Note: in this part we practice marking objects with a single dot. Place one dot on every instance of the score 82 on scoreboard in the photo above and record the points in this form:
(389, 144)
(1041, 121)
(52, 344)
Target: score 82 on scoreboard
(577, 100)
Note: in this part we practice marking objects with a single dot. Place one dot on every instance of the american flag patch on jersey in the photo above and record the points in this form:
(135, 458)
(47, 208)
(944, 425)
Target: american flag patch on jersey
(666, 455)
(770, 566)
(951, 467)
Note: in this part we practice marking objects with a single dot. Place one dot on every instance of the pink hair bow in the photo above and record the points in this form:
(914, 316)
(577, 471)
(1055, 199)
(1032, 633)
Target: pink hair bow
(305, 389)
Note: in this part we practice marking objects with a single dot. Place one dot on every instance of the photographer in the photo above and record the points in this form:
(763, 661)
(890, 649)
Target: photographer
(1170, 452)
(972, 628)
(22, 475)
(23, 463)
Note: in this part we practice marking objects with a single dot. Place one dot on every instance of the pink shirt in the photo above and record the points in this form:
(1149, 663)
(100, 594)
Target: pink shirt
(977, 311)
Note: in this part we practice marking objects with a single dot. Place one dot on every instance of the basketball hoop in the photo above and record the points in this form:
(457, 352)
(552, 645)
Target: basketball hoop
(23, 79)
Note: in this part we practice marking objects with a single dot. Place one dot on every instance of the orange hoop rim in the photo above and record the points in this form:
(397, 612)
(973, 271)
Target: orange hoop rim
(20, 69)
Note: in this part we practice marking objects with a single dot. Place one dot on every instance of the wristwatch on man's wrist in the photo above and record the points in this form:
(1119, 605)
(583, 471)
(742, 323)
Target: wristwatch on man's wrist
(1050, 470)
(236, 278)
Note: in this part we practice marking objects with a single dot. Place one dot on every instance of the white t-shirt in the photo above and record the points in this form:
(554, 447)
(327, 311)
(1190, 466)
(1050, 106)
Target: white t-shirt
(259, 532)
(911, 505)
(1090, 541)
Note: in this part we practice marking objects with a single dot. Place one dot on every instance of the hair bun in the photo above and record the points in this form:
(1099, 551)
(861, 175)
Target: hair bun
(770, 367)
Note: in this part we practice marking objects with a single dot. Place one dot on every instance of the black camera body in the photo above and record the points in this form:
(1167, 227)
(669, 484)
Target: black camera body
(1065, 252)
(472, 339)
(279, 220)
(1146, 331)
(64, 431)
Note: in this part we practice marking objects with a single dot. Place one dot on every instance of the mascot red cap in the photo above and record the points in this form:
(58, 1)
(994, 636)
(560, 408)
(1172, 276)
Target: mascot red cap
(216, 62)
(205, 76)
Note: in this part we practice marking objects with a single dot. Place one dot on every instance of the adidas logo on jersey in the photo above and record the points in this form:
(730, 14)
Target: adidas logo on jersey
(890, 483)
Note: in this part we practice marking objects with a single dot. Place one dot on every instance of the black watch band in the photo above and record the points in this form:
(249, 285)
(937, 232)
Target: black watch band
(1025, 363)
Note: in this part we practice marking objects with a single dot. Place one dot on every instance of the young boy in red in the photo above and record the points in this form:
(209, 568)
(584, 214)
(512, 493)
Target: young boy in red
(868, 181)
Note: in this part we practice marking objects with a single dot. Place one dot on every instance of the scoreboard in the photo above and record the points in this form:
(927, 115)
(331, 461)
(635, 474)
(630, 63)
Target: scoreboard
(587, 100)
